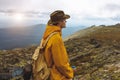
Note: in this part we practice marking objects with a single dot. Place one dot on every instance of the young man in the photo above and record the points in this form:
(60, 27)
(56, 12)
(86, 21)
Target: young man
(55, 52)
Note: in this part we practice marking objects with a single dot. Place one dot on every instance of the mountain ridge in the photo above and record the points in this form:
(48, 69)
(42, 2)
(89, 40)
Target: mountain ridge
(96, 54)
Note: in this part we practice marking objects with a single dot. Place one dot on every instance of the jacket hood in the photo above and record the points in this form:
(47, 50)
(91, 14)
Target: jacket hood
(50, 29)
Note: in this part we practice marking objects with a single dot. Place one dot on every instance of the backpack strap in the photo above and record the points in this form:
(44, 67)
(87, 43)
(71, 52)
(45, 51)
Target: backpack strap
(43, 45)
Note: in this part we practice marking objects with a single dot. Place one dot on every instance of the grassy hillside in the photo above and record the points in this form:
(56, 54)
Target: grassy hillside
(94, 51)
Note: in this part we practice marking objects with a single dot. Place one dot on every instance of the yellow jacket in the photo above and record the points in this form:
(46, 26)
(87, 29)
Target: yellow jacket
(56, 55)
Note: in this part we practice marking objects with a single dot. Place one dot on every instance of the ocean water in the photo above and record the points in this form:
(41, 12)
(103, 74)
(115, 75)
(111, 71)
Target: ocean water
(20, 37)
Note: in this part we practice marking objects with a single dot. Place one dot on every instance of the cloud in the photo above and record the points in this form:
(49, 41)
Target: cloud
(79, 10)
(12, 4)
(113, 11)
(26, 13)
(116, 18)
(113, 7)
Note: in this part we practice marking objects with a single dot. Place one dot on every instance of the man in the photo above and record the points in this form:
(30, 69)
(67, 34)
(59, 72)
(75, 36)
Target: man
(55, 52)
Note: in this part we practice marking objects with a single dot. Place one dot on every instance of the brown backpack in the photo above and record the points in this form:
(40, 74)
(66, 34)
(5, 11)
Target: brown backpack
(40, 69)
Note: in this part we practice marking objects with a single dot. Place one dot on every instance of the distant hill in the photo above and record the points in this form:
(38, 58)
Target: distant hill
(19, 36)
(16, 37)
(101, 31)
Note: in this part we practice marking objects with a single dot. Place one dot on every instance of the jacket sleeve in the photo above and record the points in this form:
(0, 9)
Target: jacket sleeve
(60, 57)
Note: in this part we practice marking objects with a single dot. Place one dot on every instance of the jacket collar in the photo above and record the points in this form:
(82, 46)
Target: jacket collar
(50, 29)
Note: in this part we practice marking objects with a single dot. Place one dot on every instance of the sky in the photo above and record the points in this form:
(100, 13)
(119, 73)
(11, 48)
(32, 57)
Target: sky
(82, 12)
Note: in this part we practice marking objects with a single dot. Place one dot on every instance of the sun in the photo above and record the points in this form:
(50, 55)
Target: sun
(18, 17)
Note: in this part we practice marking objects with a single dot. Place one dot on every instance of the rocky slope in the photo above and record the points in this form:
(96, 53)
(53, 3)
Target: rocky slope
(94, 51)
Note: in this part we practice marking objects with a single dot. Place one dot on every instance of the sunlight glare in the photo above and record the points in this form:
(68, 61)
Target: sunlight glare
(18, 17)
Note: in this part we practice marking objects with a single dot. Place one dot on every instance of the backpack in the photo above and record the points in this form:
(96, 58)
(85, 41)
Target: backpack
(39, 66)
